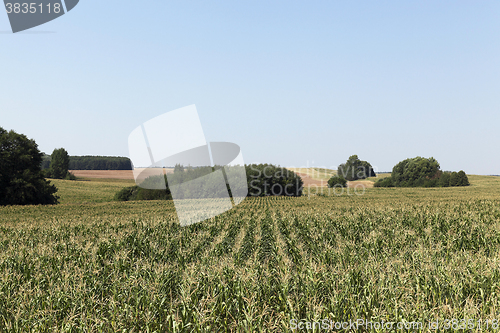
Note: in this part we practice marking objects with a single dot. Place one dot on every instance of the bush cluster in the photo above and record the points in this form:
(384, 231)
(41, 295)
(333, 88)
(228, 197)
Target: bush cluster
(422, 172)
(262, 180)
(207, 182)
(337, 181)
(139, 193)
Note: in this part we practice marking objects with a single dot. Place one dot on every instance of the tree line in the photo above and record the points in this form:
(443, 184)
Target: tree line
(412, 172)
(22, 180)
(93, 163)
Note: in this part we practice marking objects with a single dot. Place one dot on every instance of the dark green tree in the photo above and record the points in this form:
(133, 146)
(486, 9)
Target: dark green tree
(463, 180)
(454, 179)
(59, 164)
(21, 179)
(337, 181)
(444, 180)
(355, 169)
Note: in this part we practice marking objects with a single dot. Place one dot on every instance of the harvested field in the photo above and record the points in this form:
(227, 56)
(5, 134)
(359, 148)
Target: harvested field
(358, 183)
(108, 174)
(309, 181)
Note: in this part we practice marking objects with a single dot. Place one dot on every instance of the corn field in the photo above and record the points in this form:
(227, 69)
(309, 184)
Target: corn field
(93, 265)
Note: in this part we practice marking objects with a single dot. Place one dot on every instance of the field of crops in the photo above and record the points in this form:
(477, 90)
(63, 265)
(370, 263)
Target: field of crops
(93, 265)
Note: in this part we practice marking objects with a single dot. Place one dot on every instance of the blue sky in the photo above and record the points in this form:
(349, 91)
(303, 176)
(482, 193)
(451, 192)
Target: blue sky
(294, 83)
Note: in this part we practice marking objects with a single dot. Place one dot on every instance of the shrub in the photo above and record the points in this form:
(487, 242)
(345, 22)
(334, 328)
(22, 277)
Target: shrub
(126, 193)
(70, 176)
(138, 193)
(337, 181)
(384, 182)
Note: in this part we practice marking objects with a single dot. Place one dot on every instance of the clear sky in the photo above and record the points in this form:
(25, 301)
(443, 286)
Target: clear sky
(294, 83)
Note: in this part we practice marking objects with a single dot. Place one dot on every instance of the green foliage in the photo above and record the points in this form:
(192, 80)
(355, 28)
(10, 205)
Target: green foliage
(99, 163)
(262, 180)
(457, 179)
(126, 193)
(59, 164)
(337, 181)
(21, 179)
(423, 172)
(454, 180)
(463, 179)
(268, 179)
(178, 168)
(137, 193)
(93, 163)
(444, 180)
(147, 191)
(355, 169)
(418, 171)
(45, 161)
(384, 182)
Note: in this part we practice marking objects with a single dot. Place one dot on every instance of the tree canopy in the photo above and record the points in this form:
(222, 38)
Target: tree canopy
(21, 179)
(355, 169)
(59, 165)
